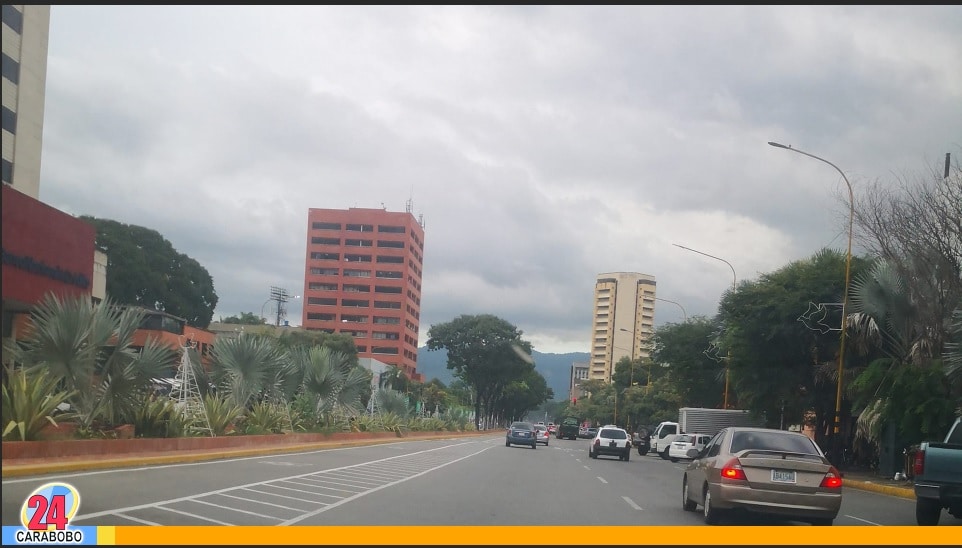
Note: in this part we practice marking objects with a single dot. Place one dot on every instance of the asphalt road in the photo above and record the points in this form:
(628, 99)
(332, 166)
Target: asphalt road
(475, 481)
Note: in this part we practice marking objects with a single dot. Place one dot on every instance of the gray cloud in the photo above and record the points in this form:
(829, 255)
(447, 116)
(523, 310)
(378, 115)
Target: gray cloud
(541, 144)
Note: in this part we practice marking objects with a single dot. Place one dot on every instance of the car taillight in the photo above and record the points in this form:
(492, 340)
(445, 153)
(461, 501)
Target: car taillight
(918, 463)
(832, 479)
(597, 442)
(733, 470)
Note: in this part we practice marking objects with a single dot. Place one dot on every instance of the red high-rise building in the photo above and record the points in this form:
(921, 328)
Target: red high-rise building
(362, 277)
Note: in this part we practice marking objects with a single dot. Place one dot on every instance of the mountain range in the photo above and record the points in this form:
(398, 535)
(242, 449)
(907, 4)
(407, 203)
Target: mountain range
(555, 368)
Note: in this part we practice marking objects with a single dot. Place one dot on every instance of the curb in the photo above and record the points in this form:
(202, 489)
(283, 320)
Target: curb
(21, 470)
(903, 492)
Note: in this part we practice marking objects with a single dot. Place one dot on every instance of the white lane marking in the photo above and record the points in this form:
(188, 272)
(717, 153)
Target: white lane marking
(267, 483)
(219, 462)
(192, 515)
(391, 484)
(601, 479)
(586, 467)
(138, 520)
(632, 503)
(862, 520)
(255, 501)
(277, 495)
(232, 509)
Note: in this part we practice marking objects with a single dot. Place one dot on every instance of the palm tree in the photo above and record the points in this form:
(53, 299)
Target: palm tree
(89, 348)
(245, 368)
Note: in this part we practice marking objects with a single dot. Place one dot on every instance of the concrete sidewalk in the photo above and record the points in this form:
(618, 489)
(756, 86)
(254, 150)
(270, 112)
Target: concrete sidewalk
(865, 481)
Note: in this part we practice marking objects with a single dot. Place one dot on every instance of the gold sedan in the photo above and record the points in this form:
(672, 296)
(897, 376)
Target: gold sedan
(762, 471)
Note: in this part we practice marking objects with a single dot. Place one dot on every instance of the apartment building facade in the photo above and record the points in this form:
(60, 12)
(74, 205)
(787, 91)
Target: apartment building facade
(44, 249)
(362, 277)
(577, 375)
(623, 320)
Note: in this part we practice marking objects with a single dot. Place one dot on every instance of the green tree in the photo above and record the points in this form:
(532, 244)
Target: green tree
(245, 318)
(144, 269)
(778, 361)
(698, 377)
(486, 352)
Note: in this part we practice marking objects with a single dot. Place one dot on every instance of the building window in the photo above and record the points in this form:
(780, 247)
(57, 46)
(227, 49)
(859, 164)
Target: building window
(13, 18)
(316, 286)
(355, 303)
(320, 317)
(384, 320)
(6, 167)
(326, 226)
(325, 241)
(351, 273)
(318, 256)
(350, 318)
(355, 288)
(386, 289)
(381, 335)
(390, 229)
(390, 243)
(9, 120)
(325, 301)
(383, 350)
(358, 243)
(357, 258)
(9, 67)
(360, 228)
(324, 271)
(389, 274)
(390, 259)
(387, 304)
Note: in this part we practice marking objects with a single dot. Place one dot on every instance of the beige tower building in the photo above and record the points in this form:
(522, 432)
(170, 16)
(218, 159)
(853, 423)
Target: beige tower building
(25, 33)
(623, 322)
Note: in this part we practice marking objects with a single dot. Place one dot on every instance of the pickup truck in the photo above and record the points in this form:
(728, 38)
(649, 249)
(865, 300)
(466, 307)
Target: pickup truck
(937, 468)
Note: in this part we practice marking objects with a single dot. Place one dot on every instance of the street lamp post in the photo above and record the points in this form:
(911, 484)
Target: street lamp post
(848, 269)
(729, 360)
(684, 313)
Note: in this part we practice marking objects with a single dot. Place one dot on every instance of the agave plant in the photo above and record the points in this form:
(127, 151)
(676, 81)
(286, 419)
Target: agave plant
(29, 403)
(265, 418)
(89, 348)
(222, 414)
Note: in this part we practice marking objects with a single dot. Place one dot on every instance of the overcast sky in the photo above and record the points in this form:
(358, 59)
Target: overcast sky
(542, 145)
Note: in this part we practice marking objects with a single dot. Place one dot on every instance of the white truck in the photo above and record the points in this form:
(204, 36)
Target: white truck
(699, 420)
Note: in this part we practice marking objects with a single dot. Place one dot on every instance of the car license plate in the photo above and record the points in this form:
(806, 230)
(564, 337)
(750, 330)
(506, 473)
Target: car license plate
(783, 476)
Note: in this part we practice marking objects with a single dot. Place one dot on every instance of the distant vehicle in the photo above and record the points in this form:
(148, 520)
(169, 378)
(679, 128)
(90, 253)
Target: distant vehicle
(683, 442)
(569, 428)
(552, 428)
(610, 440)
(765, 471)
(661, 438)
(590, 432)
(541, 433)
(641, 440)
(937, 478)
(521, 433)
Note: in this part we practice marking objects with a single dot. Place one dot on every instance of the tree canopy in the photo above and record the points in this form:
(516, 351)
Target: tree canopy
(144, 269)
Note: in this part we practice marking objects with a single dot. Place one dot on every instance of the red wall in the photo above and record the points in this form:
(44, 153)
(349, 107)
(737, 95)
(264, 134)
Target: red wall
(44, 249)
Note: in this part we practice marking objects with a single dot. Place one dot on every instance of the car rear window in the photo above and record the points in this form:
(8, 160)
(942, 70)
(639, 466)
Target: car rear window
(773, 441)
(522, 425)
(684, 439)
(613, 434)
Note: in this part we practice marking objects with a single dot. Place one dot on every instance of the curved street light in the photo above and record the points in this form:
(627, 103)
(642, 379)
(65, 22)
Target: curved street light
(729, 361)
(679, 306)
(848, 269)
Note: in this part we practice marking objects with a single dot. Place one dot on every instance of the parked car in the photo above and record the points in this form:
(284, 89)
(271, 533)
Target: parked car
(765, 471)
(610, 440)
(521, 433)
(936, 478)
(541, 433)
(683, 442)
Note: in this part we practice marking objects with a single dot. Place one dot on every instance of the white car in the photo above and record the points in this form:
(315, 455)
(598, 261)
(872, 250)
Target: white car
(541, 433)
(610, 440)
(683, 442)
